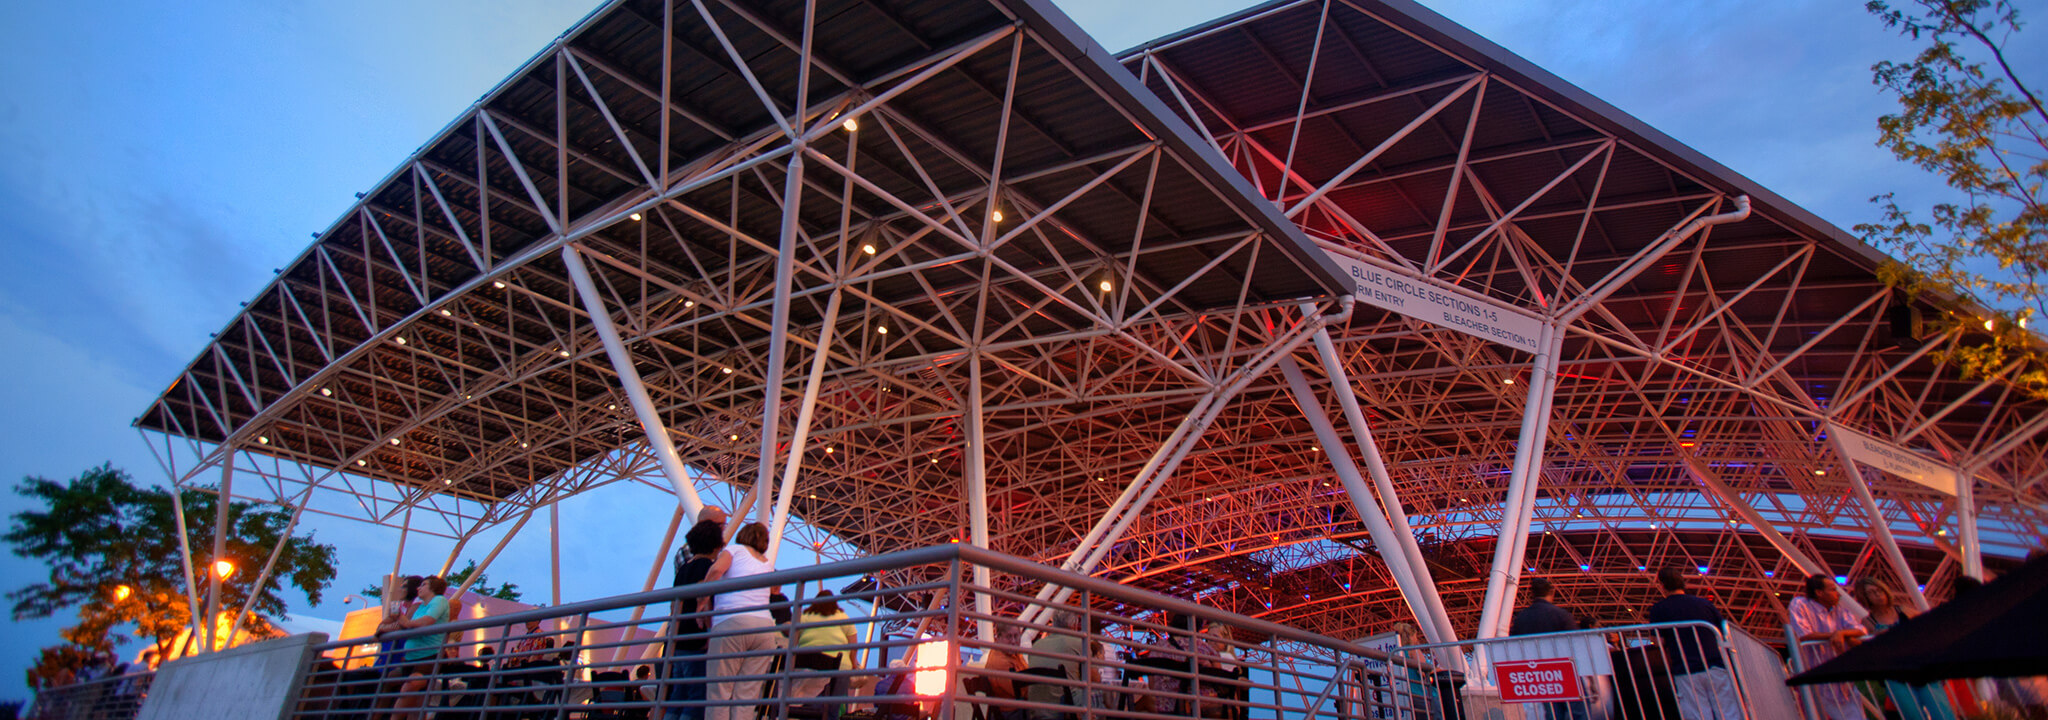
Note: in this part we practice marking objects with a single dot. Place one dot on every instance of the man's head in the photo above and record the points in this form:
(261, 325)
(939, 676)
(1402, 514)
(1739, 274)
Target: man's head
(705, 539)
(1672, 578)
(711, 514)
(1822, 589)
(1540, 589)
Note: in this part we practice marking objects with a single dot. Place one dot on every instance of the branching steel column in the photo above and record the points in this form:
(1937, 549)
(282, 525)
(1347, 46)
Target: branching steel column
(668, 541)
(185, 555)
(220, 550)
(1520, 502)
(495, 549)
(629, 381)
(778, 333)
(555, 553)
(1376, 466)
(1966, 520)
(977, 490)
(1879, 529)
(806, 410)
(1121, 513)
(1755, 519)
(1362, 501)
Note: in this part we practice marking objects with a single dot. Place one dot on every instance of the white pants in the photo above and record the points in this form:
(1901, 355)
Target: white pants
(1707, 695)
(762, 639)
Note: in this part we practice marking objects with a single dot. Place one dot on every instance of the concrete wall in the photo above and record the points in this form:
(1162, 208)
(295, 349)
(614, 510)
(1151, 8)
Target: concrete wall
(257, 681)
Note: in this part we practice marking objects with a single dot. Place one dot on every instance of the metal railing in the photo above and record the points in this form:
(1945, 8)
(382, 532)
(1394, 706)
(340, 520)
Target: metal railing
(927, 642)
(1663, 671)
(109, 698)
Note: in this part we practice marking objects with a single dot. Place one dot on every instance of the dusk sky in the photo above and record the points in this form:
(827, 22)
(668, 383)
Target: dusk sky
(158, 159)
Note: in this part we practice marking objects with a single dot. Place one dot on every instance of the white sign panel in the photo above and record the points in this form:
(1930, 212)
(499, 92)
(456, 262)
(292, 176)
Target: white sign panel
(1384, 642)
(1867, 450)
(1440, 304)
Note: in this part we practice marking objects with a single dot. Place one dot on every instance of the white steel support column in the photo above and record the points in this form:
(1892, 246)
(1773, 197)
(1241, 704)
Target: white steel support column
(555, 553)
(256, 586)
(629, 381)
(185, 556)
(977, 490)
(220, 550)
(1376, 467)
(668, 542)
(485, 564)
(1126, 508)
(1807, 565)
(1966, 519)
(806, 409)
(1520, 501)
(1362, 501)
(778, 335)
(1879, 529)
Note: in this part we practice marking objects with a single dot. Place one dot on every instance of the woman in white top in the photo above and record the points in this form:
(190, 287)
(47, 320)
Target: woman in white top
(742, 626)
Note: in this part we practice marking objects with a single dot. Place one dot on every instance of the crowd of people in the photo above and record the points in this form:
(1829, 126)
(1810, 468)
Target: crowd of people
(1701, 685)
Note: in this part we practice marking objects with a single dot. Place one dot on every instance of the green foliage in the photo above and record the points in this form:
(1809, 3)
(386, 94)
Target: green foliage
(507, 591)
(1966, 115)
(100, 532)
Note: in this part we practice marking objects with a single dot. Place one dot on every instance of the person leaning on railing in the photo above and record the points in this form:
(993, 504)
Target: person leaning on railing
(420, 650)
(745, 630)
(1826, 628)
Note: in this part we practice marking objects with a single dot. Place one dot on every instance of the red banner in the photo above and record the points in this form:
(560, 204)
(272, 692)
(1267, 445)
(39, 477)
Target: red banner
(1537, 680)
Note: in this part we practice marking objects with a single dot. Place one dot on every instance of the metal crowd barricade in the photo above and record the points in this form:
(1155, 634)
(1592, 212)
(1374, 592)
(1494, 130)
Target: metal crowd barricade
(1613, 672)
(110, 698)
(928, 643)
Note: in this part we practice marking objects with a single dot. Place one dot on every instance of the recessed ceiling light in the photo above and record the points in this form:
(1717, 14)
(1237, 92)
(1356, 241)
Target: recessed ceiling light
(263, 439)
(867, 248)
(394, 441)
(850, 125)
(499, 284)
(327, 392)
(635, 217)
(445, 313)
(401, 341)
(1107, 286)
(727, 371)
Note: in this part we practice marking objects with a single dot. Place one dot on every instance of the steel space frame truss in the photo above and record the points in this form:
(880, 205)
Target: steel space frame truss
(1710, 356)
(930, 339)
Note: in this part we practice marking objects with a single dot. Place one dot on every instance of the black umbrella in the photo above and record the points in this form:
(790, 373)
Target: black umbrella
(1999, 630)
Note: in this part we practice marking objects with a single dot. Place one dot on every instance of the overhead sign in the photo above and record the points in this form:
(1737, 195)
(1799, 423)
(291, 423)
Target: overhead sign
(1867, 450)
(1441, 304)
(1537, 680)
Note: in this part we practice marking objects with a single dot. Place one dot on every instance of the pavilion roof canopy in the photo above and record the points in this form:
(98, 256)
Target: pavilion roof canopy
(431, 336)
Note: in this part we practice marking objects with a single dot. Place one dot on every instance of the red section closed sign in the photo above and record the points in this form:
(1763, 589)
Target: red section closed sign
(1537, 680)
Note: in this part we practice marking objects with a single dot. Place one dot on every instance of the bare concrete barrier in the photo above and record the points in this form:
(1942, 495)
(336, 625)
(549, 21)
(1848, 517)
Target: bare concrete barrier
(255, 681)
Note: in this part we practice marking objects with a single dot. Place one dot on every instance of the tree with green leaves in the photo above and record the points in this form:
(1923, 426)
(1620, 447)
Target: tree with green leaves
(112, 550)
(1967, 115)
(482, 586)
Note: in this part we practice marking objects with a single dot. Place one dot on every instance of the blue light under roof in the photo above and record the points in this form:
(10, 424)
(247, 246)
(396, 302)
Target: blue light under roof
(1841, 579)
(1703, 569)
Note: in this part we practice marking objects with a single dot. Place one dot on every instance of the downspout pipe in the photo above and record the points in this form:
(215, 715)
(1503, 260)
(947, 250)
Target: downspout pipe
(1621, 275)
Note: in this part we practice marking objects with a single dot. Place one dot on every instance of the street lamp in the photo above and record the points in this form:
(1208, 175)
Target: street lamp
(223, 568)
(122, 592)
